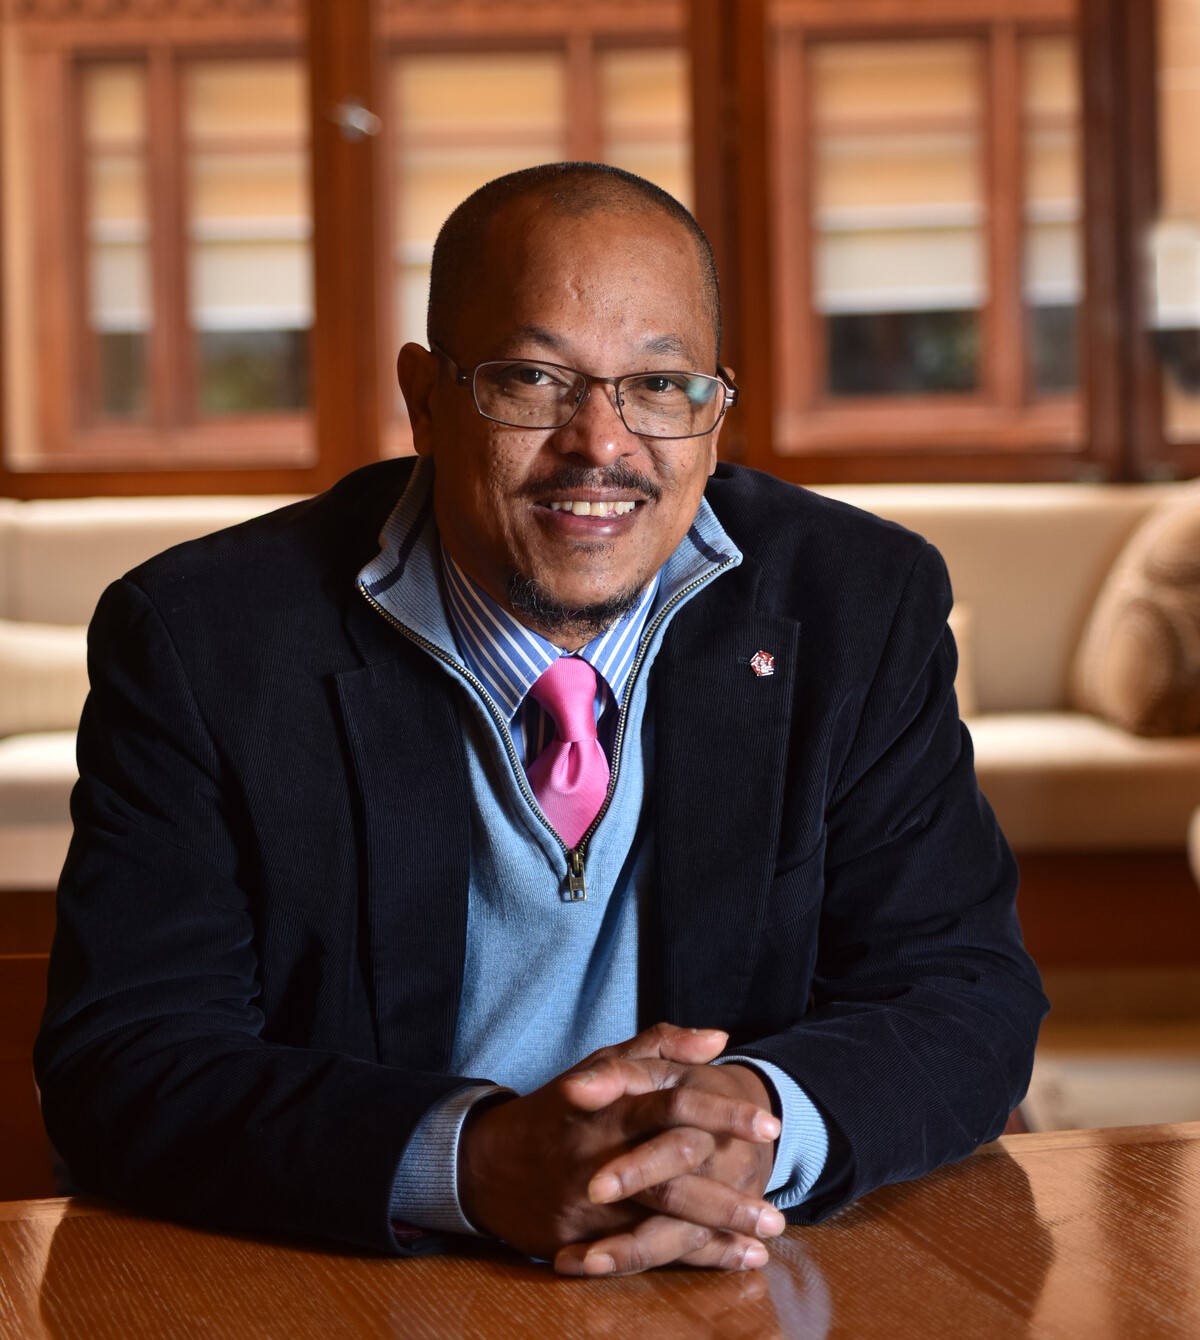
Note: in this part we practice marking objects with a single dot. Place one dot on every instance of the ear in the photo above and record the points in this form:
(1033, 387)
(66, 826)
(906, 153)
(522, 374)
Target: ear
(416, 370)
(713, 438)
(712, 454)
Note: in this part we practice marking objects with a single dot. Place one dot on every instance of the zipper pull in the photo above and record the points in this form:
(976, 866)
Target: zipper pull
(576, 880)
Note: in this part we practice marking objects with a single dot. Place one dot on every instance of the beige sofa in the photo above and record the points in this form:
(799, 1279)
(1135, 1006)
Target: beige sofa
(1027, 562)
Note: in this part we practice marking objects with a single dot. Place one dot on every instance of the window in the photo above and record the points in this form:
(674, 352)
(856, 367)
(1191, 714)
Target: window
(928, 238)
(958, 239)
(157, 251)
(159, 292)
(1174, 300)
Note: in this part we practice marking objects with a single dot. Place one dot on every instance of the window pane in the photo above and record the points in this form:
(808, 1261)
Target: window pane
(459, 121)
(1177, 237)
(249, 228)
(644, 122)
(1052, 241)
(898, 242)
(119, 307)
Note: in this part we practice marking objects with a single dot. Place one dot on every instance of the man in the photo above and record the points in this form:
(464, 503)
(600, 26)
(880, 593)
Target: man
(366, 921)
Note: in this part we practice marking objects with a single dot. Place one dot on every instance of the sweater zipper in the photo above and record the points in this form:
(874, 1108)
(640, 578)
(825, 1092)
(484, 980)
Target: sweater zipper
(576, 890)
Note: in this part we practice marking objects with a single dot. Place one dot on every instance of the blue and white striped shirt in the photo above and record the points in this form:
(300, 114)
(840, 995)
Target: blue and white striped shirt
(508, 659)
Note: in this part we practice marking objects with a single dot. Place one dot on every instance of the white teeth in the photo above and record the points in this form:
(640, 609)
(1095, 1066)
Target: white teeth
(583, 508)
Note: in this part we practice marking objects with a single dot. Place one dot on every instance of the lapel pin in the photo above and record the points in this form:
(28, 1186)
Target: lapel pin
(762, 663)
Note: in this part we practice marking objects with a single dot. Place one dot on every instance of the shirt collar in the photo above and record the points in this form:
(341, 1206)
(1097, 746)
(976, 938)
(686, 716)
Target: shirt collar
(409, 580)
(509, 658)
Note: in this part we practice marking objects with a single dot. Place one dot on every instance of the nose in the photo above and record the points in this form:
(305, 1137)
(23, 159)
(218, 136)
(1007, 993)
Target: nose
(597, 432)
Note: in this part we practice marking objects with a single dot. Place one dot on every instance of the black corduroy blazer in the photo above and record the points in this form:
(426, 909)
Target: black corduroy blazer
(262, 918)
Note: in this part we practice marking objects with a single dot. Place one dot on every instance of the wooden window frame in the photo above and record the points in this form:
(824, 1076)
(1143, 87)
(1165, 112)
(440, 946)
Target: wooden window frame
(1003, 428)
(338, 45)
(1123, 427)
(1153, 455)
(77, 437)
(1122, 419)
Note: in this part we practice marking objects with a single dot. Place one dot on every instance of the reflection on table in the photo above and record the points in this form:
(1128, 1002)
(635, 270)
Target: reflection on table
(1075, 1234)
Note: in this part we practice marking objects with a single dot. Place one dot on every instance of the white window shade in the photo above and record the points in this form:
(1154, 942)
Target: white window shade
(900, 270)
(119, 288)
(251, 285)
(1052, 264)
(898, 189)
(1175, 260)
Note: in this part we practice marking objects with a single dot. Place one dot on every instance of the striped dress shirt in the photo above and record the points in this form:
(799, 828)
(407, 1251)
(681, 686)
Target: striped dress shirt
(508, 659)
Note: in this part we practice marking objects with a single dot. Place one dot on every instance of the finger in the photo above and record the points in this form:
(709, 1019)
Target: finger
(661, 1174)
(659, 1099)
(668, 1042)
(606, 1079)
(657, 1241)
(674, 1153)
(714, 1255)
(716, 1205)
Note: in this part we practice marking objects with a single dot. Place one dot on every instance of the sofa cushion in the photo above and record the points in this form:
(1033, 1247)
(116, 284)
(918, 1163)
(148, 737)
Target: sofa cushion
(58, 554)
(1065, 781)
(1138, 664)
(43, 676)
(962, 627)
(37, 773)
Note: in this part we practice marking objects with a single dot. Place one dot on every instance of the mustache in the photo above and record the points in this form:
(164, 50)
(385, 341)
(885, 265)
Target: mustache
(616, 476)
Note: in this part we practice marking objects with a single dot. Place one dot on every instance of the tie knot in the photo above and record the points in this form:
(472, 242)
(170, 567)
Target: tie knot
(567, 690)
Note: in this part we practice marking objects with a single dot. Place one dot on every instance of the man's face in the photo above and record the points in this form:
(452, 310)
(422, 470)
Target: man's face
(606, 293)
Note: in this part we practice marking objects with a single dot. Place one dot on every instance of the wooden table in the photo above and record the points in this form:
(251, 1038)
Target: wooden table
(1087, 1235)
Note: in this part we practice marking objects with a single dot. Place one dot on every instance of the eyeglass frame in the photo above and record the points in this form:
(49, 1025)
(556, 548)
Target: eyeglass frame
(466, 377)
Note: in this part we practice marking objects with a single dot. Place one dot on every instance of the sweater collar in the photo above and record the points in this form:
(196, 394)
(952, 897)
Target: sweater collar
(427, 593)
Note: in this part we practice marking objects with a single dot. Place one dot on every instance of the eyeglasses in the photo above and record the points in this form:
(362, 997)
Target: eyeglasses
(524, 393)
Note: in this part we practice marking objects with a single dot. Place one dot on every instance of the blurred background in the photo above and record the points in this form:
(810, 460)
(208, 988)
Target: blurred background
(958, 239)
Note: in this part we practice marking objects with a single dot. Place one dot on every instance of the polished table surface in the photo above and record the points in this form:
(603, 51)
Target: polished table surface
(1087, 1235)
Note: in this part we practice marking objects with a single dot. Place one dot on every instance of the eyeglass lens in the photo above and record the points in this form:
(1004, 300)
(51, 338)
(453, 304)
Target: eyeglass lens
(651, 404)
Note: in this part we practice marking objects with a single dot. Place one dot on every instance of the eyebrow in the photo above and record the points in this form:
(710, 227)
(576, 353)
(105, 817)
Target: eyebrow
(657, 344)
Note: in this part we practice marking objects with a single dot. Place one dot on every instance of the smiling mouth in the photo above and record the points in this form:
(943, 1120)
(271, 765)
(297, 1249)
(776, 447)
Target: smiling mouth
(582, 507)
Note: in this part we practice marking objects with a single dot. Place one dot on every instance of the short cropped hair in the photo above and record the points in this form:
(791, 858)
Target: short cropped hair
(573, 189)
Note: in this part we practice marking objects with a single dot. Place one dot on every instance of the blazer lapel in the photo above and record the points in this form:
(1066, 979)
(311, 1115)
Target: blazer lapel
(721, 735)
(406, 747)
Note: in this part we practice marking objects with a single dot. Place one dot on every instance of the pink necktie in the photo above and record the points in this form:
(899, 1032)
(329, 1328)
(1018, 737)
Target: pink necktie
(570, 776)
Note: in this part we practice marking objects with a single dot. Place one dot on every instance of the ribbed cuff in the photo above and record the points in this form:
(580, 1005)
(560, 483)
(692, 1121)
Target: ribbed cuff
(425, 1189)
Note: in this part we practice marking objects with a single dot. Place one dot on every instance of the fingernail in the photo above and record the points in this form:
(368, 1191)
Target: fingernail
(771, 1223)
(603, 1189)
(767, 1126)
(583, 1076)
(756, 1255)
(600, 1263)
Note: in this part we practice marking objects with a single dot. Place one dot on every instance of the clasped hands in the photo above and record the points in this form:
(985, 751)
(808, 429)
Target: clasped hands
(641, 1155)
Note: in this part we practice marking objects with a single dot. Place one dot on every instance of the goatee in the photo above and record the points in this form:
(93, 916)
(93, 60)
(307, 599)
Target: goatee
(530, 599)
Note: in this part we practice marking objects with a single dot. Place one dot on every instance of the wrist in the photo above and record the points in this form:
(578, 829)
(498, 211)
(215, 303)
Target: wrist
(753, 1086)
(751, 1083)
(478, 1160)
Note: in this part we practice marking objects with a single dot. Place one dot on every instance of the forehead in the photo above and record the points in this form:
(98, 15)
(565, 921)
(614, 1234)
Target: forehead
(625, 280)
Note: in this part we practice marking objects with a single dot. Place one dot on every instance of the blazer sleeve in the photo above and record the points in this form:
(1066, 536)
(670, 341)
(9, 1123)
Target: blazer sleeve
(159, 1084)
(919, 1034)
